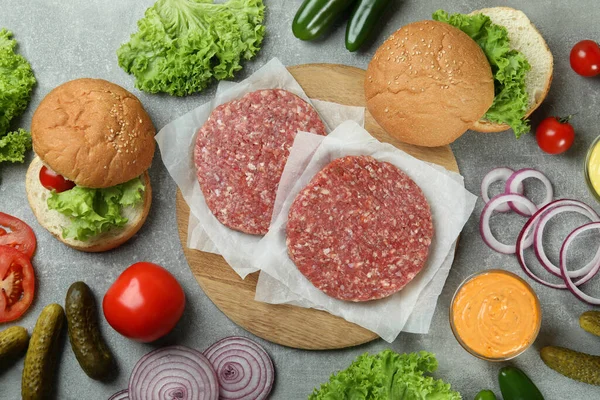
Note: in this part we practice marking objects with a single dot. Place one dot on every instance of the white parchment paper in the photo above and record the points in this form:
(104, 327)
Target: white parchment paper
(176, 142)
(451, 205)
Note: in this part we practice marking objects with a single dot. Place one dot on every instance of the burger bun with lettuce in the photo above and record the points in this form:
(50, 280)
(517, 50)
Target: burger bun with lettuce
(431, 81)
(96, 140)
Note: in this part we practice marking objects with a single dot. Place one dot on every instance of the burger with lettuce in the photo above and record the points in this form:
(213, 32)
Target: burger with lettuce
(431, 81)
(88, 184)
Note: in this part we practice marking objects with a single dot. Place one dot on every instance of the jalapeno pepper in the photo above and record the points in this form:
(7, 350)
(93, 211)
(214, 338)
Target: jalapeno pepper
(515, 385)
(485, 395)
(364, 19)
(314, 17)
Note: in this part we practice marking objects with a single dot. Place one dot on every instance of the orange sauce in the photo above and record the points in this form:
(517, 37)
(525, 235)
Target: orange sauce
(496, 315)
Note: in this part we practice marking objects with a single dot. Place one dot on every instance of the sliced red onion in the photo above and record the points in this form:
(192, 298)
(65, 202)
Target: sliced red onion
(120, 395)
(572, 286)
(547, 215)
(244, 369)
(516, 179)
(524, 237)
(495, 175)
(174, 372)
(484, 221)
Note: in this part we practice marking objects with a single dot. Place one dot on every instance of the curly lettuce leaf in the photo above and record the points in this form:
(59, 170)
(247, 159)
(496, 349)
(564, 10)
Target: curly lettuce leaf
(93, 211)
(181, 45)
(16, 84)
(387, 375)
(508, 66)
(13, 146)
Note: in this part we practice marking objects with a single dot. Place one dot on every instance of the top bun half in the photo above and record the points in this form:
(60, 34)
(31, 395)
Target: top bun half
(94, 133)
(428, 83)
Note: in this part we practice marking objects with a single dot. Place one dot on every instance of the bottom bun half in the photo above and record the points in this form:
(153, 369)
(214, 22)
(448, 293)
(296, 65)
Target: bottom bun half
(54, 222)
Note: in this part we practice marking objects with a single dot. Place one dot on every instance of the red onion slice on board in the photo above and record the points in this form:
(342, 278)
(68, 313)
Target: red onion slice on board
(550, 212)
(572, 286)
(244, 369)
(120, 395)
(522, 245)
(174, 372)
(517, 179)
(495, 175)
(484, 221)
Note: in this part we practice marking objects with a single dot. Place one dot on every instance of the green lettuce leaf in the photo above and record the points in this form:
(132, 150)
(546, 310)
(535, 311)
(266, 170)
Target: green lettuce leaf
(181, 45)
(508, 66)
(93, 211)
(13, 146)
(16, 84)
(387, 376)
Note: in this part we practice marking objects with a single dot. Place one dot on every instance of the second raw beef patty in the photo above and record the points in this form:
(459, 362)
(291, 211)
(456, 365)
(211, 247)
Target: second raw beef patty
(241, 151)
(360, 230)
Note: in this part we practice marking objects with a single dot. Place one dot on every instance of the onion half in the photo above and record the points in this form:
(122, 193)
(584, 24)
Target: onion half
(484, 221)
(495, 175)
(175, 372)
(572, 286)
(244, 369)
(516, 179)
(120, 395)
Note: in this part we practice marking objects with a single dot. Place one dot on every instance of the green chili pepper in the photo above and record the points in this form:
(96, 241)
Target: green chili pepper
(314, 17)
(364, 19)
(485, 395)
(515, 385)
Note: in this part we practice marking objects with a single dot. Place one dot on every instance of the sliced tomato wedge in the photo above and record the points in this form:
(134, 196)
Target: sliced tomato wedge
(17, 283)
(18, 235)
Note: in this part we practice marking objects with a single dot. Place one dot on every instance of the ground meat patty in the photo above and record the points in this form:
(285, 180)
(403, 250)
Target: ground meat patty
(360, 230)
(241, 151)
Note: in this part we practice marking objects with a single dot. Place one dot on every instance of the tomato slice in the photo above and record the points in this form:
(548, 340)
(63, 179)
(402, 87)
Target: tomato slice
(20, 235)
(17, 283)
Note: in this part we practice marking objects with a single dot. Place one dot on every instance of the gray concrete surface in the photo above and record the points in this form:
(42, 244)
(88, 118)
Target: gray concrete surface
(68, 39)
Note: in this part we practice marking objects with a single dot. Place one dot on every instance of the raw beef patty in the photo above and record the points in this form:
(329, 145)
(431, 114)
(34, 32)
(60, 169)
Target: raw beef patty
(241, 151)
(360, 230)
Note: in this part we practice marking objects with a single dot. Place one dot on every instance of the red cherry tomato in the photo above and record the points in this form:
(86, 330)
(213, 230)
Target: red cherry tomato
(53, 181)
(585, 58)
(555, 135)
(17, 284)
(144, 303)
(20, 236)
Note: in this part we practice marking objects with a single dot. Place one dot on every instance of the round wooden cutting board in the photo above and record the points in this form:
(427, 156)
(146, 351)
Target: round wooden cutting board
(289, 325)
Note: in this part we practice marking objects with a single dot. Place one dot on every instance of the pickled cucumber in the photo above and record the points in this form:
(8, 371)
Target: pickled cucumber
(40, 359)
(572, 364)
(590, 322)
(13, 341)
(91, 351)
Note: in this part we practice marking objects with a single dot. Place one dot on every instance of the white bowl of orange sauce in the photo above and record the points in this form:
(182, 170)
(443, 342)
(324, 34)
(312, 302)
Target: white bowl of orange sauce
(495, 315)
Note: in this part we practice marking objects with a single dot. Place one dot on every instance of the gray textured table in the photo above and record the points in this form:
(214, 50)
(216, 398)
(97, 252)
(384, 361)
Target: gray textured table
(68, 39)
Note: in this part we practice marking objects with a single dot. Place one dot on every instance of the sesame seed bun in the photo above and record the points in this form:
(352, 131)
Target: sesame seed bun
(428, 83)
(54, 222)
(94, 133)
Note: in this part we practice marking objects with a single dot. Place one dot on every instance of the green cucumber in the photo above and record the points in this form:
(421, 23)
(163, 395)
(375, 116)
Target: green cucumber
(572, 364)
(13, 341)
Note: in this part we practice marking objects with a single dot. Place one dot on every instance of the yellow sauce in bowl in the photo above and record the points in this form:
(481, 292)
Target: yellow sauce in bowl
(593, 168)
(495, 315)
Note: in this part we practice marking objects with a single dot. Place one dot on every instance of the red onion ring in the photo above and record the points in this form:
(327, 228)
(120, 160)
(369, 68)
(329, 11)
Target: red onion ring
(522, 245)
(495, 175)
(572, 286)
(518, 177)
(244, 369)
(484, 222)
(120, 395)
(174, 372)
(551, 212)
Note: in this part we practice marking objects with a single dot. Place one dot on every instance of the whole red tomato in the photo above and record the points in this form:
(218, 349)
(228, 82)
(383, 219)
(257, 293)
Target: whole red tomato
(555, 135)
(144, 303)
(585, 58)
